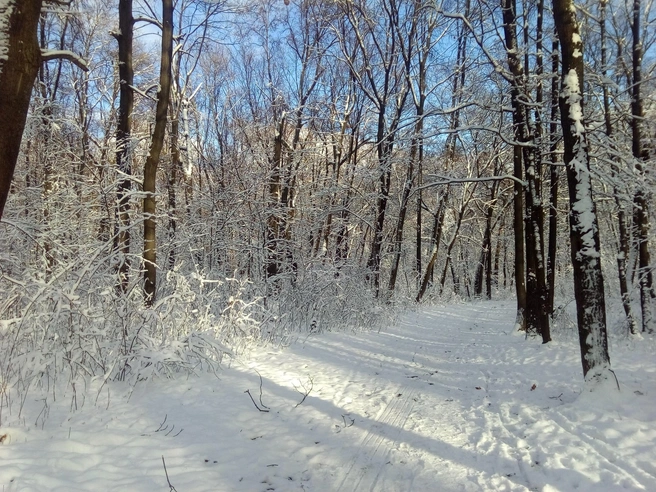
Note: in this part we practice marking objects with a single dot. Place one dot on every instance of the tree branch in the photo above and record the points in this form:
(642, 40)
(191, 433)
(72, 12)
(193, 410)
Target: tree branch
(78, 61)
(148, 20)
(445, 180)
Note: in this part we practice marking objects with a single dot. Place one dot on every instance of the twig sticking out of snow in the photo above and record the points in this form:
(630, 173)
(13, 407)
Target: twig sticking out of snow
(261, 407)
(171, 487)
(306, 391)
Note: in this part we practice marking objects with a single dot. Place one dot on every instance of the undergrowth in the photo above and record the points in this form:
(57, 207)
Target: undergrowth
(74, 326)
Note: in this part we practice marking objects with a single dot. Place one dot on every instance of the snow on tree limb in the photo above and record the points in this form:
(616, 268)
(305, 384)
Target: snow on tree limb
(78, 61)
(446, 180)
(148, 20)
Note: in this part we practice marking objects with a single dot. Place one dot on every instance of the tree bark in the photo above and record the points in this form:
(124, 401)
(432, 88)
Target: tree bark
(172, 182)
(534, 178)
(467, 195)
(124, 36)
(536, 319)
(152, 161)
(437, 238)
(584, 230)
(640, 200)
(484, 266)
(519, 123)
(554, 178)
(624, 240)
(19, 65)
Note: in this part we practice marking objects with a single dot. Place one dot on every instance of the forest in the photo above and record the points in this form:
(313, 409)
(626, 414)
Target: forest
(181, 179)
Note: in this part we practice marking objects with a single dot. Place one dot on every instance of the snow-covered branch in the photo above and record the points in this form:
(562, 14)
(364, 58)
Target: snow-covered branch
(148, 20)
(446, 180)
(77, 60)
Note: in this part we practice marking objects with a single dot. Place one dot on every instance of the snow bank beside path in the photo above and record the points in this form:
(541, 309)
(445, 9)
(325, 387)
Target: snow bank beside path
(450, 399)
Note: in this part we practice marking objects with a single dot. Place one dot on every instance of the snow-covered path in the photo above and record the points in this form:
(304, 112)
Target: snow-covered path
(449, 399)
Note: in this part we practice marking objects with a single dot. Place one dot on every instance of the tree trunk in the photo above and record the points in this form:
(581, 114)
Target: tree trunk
(484, 265)
(398, 236)
(437, 237)
(275, 221)
(124, 37)
(152, 161)
(385, 145)
(584, 230)
(536, 321)
(534, 178)
(456, 229)
(554, 179)
(640, 200)
(624, 242)
(519, 122)
(418, 222)
(20, 59)
(171, 184)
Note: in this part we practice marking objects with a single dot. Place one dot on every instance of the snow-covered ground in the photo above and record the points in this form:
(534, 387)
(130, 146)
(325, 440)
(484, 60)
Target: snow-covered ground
(448, 399)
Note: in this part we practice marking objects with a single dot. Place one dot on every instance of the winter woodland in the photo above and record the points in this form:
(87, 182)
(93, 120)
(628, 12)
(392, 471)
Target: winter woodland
(182, 180)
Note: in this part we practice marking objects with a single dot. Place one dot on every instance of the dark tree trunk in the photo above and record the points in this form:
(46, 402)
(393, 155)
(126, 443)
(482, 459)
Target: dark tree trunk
(554, 179)
(171, 184)
(467, 195)
(398, 236)
(624, 242)
(275, 222)
(584, 230)
(18, 69)
(534, 177)
(484, 266)
(437, 238)
(416, 152)
(385, 146)
(124, 36)
(536, 320)
(519, 123)
(640, 200)
(152, 161)
(418, 223)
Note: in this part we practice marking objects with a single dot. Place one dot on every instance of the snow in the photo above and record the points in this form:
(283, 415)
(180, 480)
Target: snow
(450, 398)
(6, 9)
(76, 59)
(571, 92)
(583, 205)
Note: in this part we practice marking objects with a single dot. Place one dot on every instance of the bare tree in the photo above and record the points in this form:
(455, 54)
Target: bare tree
(415, 40)
(380, 72)
(623, 222)
(20, 60)
(554, 180)
(640, 154)
(584, 229)
(152, 161)
(124, 36)
(527, 312)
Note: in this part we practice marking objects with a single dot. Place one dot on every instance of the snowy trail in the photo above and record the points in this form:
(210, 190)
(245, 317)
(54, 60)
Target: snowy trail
(448, 399)
(373, 451)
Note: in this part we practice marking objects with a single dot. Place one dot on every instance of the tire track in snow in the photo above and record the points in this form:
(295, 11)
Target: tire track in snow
(369, 462)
